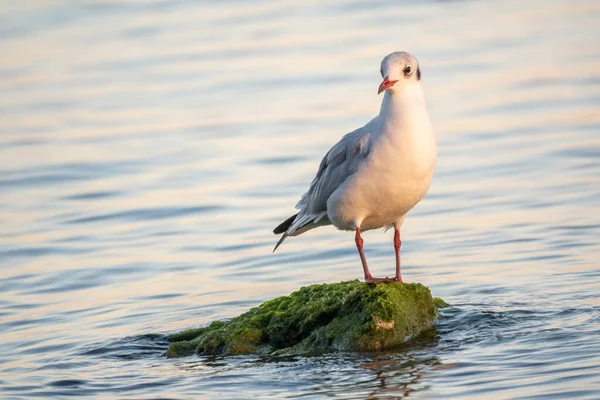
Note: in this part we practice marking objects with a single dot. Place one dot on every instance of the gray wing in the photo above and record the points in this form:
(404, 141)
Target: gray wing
(338, 164)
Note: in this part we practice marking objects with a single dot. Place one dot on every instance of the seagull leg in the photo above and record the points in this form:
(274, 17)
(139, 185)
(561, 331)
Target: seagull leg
(368, 277)
(397, 244)
(359, 245)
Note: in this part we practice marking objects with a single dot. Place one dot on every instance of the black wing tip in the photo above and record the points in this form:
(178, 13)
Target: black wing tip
(285, 235)
(283, 227)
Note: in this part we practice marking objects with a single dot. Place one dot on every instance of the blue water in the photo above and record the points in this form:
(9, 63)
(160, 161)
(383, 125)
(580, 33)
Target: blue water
(147, 150)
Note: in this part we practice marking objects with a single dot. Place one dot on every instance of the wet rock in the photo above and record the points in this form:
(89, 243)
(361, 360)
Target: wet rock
(340, 316)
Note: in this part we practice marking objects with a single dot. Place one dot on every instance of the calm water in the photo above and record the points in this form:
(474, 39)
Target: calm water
(147, 149)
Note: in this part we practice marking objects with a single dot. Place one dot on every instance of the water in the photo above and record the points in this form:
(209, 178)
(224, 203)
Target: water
(147, 149)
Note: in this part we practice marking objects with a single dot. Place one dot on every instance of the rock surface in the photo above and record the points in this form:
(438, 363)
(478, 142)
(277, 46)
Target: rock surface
(340, 316)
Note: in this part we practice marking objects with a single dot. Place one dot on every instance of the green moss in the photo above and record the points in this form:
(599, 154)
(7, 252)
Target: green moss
(180, 349)
(345, 316)
(439, 303)
(186, 335)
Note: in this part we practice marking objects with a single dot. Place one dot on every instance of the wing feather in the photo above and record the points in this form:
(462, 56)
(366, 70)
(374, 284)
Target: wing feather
(340, 162)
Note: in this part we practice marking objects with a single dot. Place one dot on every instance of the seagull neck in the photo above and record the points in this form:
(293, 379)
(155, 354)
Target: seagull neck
(388, 104)
(393, 104)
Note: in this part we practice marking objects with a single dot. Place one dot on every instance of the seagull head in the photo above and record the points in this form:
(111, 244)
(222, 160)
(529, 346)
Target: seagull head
(398, 70)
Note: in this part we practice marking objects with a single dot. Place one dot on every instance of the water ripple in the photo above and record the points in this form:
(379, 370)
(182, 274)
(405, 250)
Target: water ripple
(147, 214)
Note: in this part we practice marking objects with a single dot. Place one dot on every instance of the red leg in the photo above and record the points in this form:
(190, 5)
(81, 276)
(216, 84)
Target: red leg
(359, 245)
(397, 244)
(368, 277)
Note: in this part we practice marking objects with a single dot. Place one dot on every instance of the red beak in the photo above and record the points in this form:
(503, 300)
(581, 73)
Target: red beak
(385, 85)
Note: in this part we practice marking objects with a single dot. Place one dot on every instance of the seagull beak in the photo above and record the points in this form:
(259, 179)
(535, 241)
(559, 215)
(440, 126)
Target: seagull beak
(385, 85)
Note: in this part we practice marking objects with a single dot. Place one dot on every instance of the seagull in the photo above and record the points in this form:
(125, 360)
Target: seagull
(376, 174)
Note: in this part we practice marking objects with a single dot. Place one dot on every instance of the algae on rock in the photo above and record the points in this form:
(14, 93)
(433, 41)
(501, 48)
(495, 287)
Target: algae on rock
(345, 316)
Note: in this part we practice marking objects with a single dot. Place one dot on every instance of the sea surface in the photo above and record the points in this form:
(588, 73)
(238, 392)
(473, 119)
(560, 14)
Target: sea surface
(148, 149)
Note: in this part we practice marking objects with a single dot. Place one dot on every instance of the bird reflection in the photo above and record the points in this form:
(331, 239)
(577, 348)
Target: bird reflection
(400, 372)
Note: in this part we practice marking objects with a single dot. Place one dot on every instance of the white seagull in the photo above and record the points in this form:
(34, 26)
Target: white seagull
(376, 174)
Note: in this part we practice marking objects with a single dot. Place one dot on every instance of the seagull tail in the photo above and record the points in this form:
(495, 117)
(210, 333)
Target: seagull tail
(283, 237)
(294, 226)
(282, 228)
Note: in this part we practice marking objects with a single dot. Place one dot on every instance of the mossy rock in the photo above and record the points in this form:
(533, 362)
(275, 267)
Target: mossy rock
(341, 316)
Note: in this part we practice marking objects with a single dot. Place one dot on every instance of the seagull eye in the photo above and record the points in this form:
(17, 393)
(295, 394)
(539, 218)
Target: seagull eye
(407, 70)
